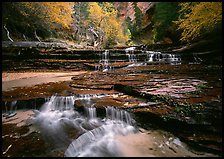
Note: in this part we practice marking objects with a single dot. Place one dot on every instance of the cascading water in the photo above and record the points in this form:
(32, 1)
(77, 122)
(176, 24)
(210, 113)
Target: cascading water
(118, 115)
(130, 53)
(104, 62)
(158, 56)
(54, 116)
(12, 111)
(109, 132)
(58, 115)
(100, 141)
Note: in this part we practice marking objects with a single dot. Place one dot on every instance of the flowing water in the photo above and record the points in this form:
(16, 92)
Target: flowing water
(97, 134)
(104, 63)
(153, 57)
(91, 133)
(131, 55)
(106, 131)
(168, 58)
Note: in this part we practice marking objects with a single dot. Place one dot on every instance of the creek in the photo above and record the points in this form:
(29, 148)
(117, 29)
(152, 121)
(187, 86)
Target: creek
(129, 103)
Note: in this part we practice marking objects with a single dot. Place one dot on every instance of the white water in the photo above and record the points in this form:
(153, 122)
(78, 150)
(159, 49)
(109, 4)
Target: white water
(136, 64)
(113, 135)
(97, 139)
(100, 141)
(104, 62)
(130, 54)
(158, 56)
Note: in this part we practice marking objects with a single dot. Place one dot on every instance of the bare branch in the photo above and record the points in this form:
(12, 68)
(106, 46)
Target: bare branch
(8, 34)
(24, 37)
(37, 36)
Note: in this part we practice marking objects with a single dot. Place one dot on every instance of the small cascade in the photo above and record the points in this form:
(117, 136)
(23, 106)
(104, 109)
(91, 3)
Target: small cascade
(104, 62)
(150, 57)
(58, 115)
(13, 106)
(59, 103)
(91, 112)
(158, 56)
(105, 58)
(175, 59)
(100, 141)
(12, 111)
(54, 116)
(130, 53)
(118, 115)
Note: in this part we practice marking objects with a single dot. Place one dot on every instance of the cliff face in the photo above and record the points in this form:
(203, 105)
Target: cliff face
(126, 9)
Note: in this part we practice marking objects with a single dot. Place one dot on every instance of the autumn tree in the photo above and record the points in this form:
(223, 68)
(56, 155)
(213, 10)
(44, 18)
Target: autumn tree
(198, 19)
(38, 19)
(103, 16)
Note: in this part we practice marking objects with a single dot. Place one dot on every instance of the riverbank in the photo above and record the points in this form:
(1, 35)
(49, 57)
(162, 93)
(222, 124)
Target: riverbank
(28, 79)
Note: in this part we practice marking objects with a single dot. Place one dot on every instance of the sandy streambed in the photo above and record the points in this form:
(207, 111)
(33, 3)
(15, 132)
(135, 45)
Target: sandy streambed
(12, 80)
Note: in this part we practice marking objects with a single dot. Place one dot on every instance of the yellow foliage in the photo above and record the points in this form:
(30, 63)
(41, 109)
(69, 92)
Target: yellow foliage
(198, 18)
(60, 13)
(105, 18)
(96, 14)
(57, 13)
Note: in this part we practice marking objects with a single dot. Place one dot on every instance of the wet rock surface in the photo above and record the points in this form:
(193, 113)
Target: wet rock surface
(184, 99)
(179, 97)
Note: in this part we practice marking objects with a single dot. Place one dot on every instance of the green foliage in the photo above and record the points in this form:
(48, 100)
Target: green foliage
(135, 26)
(198, 19)
(165, 14)
(186, 109)
(46, 18)
(17, 17)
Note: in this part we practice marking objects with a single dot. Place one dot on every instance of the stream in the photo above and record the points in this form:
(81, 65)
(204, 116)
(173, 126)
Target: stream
(122, 104)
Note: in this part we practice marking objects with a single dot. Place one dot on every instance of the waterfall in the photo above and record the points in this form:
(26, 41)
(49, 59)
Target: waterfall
(12, 111)
(130, 54)
(118, 115)
(97, 138)
(104, 62)
(13, 107)
(54, 116)
(58, 103)
(150, 57)
(172, 59)
(132, 58)
(91, 112)
(105, 58)
(100, 141)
